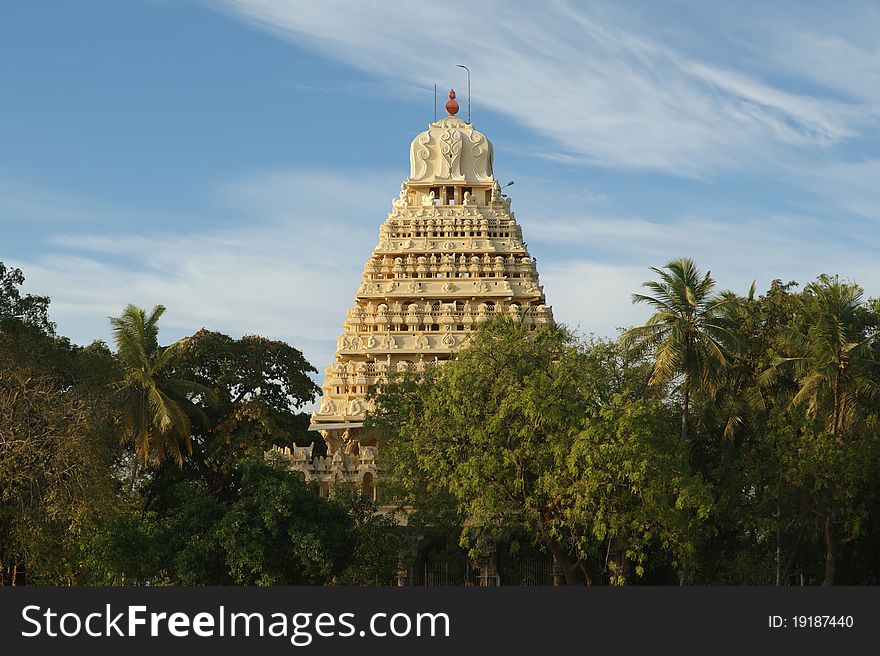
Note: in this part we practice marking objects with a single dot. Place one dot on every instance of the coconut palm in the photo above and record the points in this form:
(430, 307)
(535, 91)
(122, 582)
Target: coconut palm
(832, 360)
(154, 417)
(690, 333)
(833, 365)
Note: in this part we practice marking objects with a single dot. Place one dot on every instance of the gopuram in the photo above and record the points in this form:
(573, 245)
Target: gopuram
(450, 256)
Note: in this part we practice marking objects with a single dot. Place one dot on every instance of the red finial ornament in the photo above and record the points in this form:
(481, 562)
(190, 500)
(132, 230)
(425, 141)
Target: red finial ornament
(452, 104)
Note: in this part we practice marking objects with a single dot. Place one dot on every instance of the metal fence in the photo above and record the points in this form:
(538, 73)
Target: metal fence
(463, 573)
(527, 573)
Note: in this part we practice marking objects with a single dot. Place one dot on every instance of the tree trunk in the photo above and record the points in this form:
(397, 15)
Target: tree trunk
(778, 547)
(830, 552)
(843, 564)
(14, 574)
(836, 400)
(559, 555)
(874, 543)
(562, 559)
(589, 574)
(685, 406)
(684, 410)
(791, 555)
(134, 472)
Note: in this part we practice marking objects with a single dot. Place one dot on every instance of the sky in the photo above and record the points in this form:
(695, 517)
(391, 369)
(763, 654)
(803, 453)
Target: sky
(234, 159)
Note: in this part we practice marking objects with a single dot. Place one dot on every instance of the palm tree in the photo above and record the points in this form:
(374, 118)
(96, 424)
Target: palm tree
(833, 363)
(154, 419)
(836, 373)
(691, 333)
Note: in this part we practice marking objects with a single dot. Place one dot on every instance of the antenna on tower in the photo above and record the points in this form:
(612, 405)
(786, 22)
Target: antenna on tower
(435, 103)
(469, 89)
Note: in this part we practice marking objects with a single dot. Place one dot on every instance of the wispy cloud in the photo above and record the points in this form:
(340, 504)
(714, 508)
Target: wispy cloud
(288, 268)
(605, 88)
(848, 187)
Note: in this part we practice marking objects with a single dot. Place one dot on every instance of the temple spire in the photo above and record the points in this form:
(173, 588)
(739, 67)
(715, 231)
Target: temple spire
(450, 255)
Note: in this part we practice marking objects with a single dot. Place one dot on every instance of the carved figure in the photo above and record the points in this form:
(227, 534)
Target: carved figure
(496, 192)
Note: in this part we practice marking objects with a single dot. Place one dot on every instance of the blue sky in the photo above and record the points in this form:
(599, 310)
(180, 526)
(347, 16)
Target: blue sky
(234, 159)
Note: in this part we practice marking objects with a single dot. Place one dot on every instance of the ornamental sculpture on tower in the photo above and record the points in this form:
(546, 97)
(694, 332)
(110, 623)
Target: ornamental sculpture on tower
(450, 256)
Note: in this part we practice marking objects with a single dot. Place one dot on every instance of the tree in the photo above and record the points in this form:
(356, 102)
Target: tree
(754, 530)
(275, 531)
(154, 418)
(57, 449)
(520, 432)
(690, 333)
(29, 309)
(832, 360)
(54, 475)
(632, 491)
(830, 357)
(261, 386)
(226, 516)
(376, 537)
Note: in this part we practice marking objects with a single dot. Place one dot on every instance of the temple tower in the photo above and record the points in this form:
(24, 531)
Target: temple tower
(450, 255)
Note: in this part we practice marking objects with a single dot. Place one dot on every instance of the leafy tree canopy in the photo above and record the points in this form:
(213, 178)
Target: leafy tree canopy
(29, 309)
(538, 429)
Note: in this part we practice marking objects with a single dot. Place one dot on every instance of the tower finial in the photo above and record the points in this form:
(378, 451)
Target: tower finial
(452, 103)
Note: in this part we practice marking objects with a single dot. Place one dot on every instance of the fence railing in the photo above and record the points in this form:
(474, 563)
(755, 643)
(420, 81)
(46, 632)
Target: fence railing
(459, 573)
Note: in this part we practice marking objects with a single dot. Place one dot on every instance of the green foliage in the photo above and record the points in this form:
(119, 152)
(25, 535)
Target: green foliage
(377, 538)
(54, 473)
(276, 531)
(154, 417)
(631, 484)
(280, 532)
(690, 333)
(28, 309)
(535, 429)
(57, 449)
(219, 515)
(259, 384)
(831, 358)
(532, 442)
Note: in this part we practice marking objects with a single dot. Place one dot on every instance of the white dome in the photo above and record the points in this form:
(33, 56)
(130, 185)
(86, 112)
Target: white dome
(450, 150)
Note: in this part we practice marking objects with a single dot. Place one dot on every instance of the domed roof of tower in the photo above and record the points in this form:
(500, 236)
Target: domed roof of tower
(451, 151)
